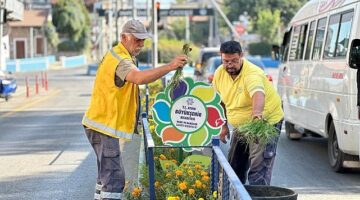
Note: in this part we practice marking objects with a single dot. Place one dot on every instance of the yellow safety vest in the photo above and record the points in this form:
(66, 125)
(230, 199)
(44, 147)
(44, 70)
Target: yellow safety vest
(112, 110)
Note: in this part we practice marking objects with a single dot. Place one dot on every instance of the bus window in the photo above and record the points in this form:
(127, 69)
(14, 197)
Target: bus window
(301, 44)
(285, 46)
(310, 40)
(294, 43)
(337, 39)
(332, 31)
(298, 42)
(319, 36)
(344, 34)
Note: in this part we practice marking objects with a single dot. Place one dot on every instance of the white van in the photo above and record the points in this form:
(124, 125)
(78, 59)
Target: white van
(319, 77)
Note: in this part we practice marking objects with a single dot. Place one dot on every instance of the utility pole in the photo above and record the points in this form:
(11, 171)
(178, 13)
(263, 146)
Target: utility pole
(134, 9)
(111, 24)
(211, 31)
(187, 29)
(227, 21)
(117, 20)
(2, 60)
(155, 34)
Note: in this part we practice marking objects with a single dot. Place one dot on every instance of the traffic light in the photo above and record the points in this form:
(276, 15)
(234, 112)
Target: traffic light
(158, 10)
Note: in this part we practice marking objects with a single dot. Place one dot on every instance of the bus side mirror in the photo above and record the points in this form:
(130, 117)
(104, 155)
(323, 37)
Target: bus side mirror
(354, 56)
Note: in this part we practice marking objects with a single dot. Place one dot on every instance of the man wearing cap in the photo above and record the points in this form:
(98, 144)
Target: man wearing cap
(113, 110)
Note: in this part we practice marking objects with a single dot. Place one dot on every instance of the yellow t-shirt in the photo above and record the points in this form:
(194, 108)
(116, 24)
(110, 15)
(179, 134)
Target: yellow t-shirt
(236, 94)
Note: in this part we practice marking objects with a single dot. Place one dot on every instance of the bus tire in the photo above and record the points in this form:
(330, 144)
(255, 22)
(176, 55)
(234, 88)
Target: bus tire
(291, 132)
(336, 156)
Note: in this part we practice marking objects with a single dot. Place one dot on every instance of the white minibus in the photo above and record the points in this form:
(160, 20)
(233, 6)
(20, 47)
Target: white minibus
(319, 77)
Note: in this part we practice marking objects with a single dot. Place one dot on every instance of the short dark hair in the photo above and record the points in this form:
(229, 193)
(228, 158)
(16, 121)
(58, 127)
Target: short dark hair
(230, 47)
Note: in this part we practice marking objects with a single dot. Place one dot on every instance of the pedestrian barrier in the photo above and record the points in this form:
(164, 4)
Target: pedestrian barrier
(30, 64)
(74, 61)
(223, 177)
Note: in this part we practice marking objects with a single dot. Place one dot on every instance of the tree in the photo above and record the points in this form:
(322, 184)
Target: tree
(265, 23)
(72, 21)
(234, 8)
(51, 34)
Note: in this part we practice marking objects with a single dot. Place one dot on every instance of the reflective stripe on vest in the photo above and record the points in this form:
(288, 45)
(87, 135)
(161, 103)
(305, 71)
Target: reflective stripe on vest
(110, 195)
(127, 136)
(115, 55)
(96, 196)
(98, 187)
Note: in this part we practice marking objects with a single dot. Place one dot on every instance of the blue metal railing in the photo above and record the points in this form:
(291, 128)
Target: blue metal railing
(230, 187)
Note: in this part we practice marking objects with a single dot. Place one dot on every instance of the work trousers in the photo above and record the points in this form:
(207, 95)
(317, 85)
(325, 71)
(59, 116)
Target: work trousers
(111, 174)
(253, 161)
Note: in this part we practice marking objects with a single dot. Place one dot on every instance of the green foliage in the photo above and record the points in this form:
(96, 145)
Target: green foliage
(234, 8)
(199, 31)
(178, 26)
(256, 131)
(72, 20)
(168, 49)
(175, 80)
(260, 48)
(267, 25)
(51, 34)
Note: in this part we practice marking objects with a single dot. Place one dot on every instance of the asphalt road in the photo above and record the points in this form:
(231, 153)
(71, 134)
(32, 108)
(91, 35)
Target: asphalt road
(44, 153)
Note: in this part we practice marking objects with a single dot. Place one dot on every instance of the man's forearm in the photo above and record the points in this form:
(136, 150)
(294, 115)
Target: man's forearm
(148, 76)
(258, 103)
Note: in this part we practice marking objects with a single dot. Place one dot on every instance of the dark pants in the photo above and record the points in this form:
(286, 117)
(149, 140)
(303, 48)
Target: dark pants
(253, 160)
(111, 174)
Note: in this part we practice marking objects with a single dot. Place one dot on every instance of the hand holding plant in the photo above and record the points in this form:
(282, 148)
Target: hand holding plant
(175, 80)
(256, 131)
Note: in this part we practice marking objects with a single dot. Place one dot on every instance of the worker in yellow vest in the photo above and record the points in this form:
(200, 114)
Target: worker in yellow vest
(112, 114)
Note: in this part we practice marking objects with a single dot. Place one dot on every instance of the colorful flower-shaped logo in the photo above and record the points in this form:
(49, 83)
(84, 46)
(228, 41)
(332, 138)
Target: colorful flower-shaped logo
(190, 117)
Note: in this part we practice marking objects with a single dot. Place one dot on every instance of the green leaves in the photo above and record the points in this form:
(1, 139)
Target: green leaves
(256, 131)
(72, 20)
(175, 80)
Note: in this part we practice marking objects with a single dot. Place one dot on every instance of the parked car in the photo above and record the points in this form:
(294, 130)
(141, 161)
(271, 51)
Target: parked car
(214, 62)
(205, 54)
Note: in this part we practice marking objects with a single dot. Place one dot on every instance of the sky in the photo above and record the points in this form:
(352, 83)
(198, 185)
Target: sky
(163, 3)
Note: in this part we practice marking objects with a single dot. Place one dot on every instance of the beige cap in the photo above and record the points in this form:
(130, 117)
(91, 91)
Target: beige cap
(136, 28)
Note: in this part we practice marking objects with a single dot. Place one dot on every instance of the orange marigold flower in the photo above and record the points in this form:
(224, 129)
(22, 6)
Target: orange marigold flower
(205, 178)
(157, 184)
(174, 161)
(182, 185)
(178, 173)
(173, 198)
(136, 192)
(167, 165)
(198, 184)
(162, 157)
(168, 175)
(198, 167)
(190, 172)
(191, 191)
(215, 194)
(203, 173)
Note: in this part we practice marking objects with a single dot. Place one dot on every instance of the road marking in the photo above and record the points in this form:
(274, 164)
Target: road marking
(26, 106)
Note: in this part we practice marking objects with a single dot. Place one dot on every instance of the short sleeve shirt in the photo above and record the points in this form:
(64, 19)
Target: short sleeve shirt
(237, 94)
(124, 67)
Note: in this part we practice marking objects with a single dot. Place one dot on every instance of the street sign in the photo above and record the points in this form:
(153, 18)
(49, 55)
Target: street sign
(163, 12)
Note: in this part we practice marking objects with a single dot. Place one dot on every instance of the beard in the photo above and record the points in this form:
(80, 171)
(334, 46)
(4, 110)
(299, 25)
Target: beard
(233, 71)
